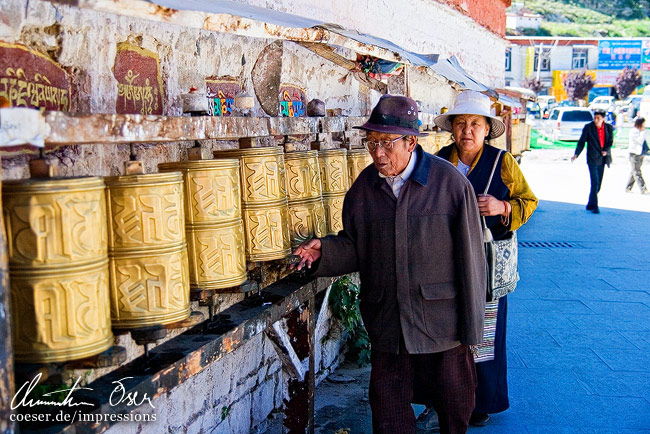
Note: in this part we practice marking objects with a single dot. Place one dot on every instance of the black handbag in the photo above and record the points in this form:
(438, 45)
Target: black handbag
(501, 256)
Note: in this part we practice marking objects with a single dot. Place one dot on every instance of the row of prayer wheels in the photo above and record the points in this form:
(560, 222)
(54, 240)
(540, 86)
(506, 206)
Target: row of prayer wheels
(89, 254)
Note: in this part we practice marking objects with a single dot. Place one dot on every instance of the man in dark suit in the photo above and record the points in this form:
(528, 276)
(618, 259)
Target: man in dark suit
(411, 229)
(599, 136)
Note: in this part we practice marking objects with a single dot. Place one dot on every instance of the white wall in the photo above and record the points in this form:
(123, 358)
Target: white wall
(423, 26)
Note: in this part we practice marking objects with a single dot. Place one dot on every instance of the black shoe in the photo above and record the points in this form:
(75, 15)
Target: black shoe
(427, 422)
(589, 207)
(479, 419)
(595, 211)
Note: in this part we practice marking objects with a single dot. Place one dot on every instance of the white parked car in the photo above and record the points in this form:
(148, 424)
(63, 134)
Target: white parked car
(644, 106)
(603, 103)
(566, 123)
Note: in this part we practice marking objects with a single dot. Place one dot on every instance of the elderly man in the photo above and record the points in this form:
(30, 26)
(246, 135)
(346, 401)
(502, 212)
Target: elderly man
(411, 228)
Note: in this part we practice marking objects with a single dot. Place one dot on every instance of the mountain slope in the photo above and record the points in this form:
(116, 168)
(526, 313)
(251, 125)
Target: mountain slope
(591, 18)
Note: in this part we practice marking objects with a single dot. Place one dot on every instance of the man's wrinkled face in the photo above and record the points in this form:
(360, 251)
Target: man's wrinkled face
(391, 162)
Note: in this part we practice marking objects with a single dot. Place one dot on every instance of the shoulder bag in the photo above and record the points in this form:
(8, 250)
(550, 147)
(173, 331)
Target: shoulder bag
(501, 256)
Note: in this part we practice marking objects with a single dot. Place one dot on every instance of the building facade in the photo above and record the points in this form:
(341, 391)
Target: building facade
(551, 58)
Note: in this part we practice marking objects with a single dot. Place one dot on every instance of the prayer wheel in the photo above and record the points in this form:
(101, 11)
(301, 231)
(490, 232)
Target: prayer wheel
(213, 222)
(306, 212)
(264, 201)
(147, 251)
(358, 159)
(334, 176)
(333, 170)
(333, 205)
(56, 232)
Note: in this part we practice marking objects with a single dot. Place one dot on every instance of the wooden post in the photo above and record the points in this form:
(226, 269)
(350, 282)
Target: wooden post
(6, 353)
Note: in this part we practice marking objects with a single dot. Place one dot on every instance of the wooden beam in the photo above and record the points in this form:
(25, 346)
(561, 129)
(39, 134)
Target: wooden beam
(282, 343)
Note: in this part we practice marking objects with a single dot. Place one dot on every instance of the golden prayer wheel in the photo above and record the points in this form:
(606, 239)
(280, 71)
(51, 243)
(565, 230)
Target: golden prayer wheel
(306, 212)
(358, 159)
(56, 232)
(264, 201)
(333, 170)
(213, 222)
(147, 250)
(333, 205)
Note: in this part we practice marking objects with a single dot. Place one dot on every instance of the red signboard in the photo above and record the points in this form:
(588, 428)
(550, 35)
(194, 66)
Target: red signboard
(31, 79)
(293, 101)
(139, 84)
(221, 92)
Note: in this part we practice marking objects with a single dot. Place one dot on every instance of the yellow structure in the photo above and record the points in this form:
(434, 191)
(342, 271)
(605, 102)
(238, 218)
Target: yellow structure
(306, 212)
(147, 250)
(264, 201)
(57, 237)
(213, 222)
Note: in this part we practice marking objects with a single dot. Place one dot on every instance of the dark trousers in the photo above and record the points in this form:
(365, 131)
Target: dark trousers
(449, 377)
(596, 175)
(635, 173)
(492, 375)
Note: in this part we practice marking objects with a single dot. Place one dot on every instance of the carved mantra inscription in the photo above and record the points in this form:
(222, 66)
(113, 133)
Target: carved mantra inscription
(214, 196)
(333, 209)
(146, 216)
(65, 312)
(334, 173)
(218, 255)
(264, 179)
(307, 220)
(152, 286)
(31, 79)
(357, 161)
(303, 178)
(49, 229)
(267, 232)
(139, 84)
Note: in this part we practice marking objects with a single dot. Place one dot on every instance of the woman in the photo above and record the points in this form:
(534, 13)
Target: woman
(635, 147)
(508, 205)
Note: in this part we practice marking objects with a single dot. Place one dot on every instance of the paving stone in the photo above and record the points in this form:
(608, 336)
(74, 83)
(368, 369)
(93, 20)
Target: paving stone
(625, 360)
(591, 339)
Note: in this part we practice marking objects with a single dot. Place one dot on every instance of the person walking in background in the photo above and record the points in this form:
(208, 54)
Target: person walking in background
(637, 151)
(411, 228)
(508, 204)
(599, 137)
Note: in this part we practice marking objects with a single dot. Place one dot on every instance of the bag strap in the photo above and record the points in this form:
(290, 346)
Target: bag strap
(487, 234)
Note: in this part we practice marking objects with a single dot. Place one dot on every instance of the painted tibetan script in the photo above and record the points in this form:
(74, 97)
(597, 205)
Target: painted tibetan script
(293, 101)
(221, 94)
(31, 79)
(139, 84)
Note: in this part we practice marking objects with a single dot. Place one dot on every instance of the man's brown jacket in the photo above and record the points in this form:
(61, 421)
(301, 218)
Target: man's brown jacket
(420, 257)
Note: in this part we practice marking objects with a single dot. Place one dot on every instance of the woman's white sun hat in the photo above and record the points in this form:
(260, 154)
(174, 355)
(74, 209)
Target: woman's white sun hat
(470, 102)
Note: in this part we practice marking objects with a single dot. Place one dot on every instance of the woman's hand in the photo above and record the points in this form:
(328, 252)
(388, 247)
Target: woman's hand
(309, 252)
(489, 205)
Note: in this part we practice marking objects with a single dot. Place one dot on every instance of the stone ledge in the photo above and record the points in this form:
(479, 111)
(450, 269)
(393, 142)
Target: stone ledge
(186, 355)
(70, 129)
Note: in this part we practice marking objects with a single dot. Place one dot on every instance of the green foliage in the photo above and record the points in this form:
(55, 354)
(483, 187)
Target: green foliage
(592, 18)
(344, 302)
(225, 411)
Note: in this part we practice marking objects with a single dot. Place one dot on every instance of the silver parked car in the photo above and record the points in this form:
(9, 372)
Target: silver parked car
(566, 123)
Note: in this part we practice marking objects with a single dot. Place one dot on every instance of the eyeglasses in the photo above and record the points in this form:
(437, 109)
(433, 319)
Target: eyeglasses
(386, 144)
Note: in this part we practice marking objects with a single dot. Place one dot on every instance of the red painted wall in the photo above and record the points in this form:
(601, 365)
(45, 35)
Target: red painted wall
(488, 13)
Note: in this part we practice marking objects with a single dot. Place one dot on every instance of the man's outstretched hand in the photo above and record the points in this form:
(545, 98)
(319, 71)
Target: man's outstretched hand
(309, 252)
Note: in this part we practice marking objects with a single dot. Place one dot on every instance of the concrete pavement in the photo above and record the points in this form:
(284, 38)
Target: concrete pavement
(579, 322)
